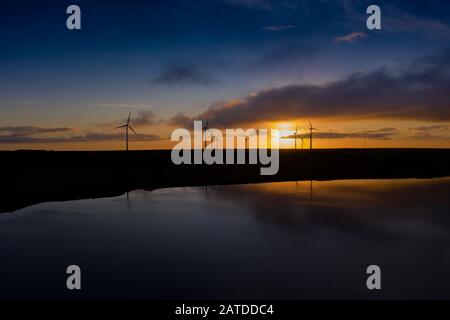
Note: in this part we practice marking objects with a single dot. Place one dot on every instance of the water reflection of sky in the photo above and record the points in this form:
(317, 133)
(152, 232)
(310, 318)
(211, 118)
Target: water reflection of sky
(276, 240)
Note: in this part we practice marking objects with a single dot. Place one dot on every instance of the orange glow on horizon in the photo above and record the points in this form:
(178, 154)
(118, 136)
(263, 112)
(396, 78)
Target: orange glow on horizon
(402, 136)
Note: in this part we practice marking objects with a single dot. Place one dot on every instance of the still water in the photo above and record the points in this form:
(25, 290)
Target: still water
(287, 240)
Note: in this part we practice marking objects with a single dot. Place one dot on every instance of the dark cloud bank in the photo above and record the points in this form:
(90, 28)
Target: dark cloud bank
(416, 90)
(180, 73)
(380, 134)
(34, 135)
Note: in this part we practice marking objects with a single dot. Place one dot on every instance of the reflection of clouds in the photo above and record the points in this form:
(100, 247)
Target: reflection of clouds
(375, 208)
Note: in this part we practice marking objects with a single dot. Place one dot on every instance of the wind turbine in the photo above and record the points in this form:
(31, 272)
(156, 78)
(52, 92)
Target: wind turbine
(127, 126)
(310, 134)
(302, 137)
(205, 128)
(295, 137)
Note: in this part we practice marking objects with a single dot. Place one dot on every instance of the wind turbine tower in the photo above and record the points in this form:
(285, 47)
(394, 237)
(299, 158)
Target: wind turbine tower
(310, 134)
(295, 137)
(127, 126)
(205, 129)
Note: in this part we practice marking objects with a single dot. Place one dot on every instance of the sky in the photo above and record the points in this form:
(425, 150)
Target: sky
(239, 63)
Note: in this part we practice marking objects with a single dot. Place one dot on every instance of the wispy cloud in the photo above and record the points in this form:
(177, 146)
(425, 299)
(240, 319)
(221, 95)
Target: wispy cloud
(350, 38)
(438, 131)
(380, 134)
(123, 105)
(280, 27)
(181, 73)
(141, 119)
(405, 22)
(26, 102)
(31, 130)
(20, 102)
(287, 54)
(31, 134)
(89, 137)
(278, 6)
(113, 137)
(145, 118)
(430, 128)
(428, 136)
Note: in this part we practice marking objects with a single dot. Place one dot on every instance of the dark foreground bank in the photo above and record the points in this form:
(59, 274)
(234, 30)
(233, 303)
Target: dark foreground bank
(31, 177)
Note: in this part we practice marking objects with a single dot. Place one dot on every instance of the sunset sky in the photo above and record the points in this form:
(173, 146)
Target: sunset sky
(240, 63)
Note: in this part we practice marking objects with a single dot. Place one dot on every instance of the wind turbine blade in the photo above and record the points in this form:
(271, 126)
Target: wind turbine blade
(121, 126)
(129, 116)
(132, 130)
(310, 125)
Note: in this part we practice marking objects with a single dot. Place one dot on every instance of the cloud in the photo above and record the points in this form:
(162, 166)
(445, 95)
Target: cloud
(182, 120)
(301, 6)
(145, 118)
(275, 28)
(114, 137)
(350, 38)
(286, 54)
(439, 131)
(380, 134)
(30, 134)
(26, 102)
(405, 22)
(430, 128)
(179, 73)
(90, 137)
(30, 130)
(428, 136)
(253, 4)
(417, 90)
(122, 105)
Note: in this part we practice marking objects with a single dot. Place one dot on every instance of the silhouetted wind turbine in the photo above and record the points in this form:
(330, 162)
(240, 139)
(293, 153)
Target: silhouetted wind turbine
(310, 134)
(127, 126)
(205, 128)
(302, 137)
(295, 137)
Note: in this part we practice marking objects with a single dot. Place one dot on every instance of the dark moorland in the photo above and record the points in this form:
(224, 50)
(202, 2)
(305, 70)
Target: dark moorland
(32, 177)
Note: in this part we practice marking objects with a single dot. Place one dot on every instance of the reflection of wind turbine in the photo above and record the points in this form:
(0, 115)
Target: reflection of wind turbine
(205, 128)
(126, 126)
(310, 134)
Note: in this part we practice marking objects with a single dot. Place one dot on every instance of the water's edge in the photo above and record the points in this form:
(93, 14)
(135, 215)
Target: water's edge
(35, 177)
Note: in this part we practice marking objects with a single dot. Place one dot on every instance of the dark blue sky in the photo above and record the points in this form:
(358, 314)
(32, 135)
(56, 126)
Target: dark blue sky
(184, 56)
